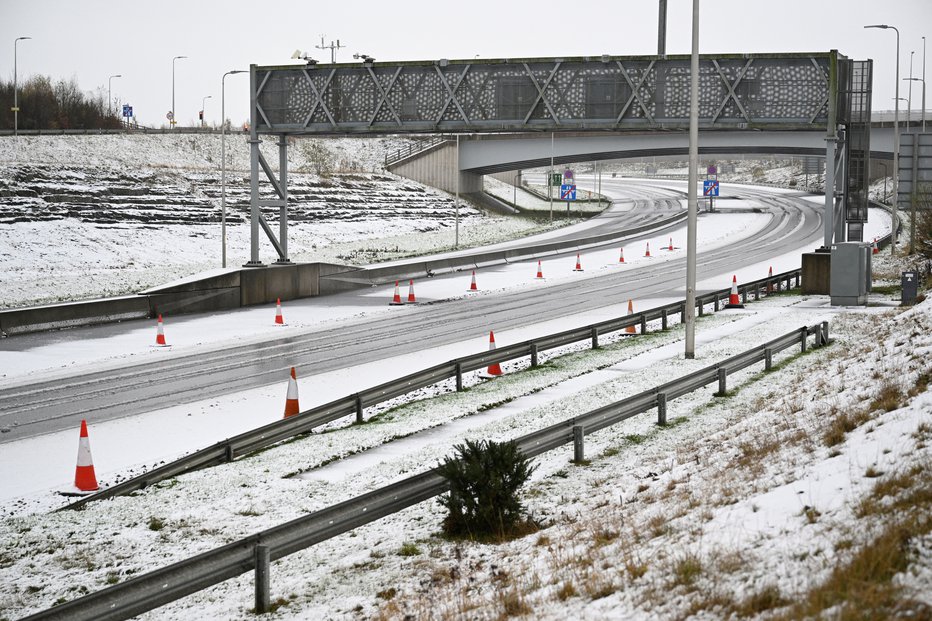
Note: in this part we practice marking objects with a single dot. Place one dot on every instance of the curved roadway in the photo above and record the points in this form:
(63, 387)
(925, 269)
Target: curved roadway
(48, 406)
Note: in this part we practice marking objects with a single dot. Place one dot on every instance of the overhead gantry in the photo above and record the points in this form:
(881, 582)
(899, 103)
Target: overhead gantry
(825, 93)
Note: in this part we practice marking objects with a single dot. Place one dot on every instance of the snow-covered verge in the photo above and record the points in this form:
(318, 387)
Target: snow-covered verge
(740, 506)
(117, 214)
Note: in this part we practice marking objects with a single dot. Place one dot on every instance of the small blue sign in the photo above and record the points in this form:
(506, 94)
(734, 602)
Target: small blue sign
(568, 192)
(710, 187)
(127, 110)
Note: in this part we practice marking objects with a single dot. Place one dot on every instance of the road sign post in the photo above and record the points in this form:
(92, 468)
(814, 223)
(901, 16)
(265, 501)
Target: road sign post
(568, 193)
(710, 189)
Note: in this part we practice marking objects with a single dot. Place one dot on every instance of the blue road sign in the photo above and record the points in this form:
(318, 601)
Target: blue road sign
(127, 110)
(568, 192)
(710, 187)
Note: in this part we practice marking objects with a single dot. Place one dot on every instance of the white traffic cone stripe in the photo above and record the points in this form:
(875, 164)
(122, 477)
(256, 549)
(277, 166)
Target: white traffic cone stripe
(84, 452)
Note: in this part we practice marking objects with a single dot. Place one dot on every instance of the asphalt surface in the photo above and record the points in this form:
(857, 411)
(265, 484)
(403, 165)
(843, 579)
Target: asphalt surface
(46, 406)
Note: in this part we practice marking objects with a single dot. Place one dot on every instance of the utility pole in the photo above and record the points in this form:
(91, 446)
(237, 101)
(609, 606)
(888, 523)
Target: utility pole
(662, 29)
(691, 187)
(333, 47)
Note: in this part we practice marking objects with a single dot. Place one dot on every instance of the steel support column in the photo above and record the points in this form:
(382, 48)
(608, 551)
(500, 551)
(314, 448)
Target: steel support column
(828, 218)
(283, 190)
(254, 213)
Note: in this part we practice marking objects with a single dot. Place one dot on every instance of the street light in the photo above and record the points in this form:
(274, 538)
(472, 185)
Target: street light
(909, 97)
(172, 120)
(109, 96)
(896, 131)
(15, 89)
(923, 85)
(223, 165)
(923, 99)
(886, 173)
(203, 99)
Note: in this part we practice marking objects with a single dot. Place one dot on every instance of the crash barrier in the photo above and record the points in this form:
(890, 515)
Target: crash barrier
(354, 405)
(255, 553)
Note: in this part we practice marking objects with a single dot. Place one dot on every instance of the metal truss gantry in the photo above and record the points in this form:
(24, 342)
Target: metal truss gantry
(794, 91)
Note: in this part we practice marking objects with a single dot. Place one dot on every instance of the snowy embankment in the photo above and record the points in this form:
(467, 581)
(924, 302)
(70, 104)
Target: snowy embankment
(111, 215)
(755, 498)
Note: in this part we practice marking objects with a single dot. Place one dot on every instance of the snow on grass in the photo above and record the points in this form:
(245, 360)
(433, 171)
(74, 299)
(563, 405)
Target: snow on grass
(659, 510)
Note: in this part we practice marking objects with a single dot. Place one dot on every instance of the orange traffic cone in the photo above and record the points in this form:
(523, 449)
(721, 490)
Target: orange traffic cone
(472, 285)
(631, 329)
(670, 247)
(578, 267)
(494, 369)
(411, 298)
(160, 334)
(733, 300)
(769, 282)
(875, 249)
(540, 272)
(84, 477)
(279, 319)
(647, 253)
(291, 398)
(621, 256)
(396, 299)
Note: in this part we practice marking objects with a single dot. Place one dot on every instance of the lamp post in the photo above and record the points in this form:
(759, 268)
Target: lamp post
(109, 95)
(173, 121)
(923, 85)
(896, 131)
(223, 165)
(203, 99)
(514, 183)
(15, 88)
(886, 173)
(911, 80)
(692, 206)
(909, 96)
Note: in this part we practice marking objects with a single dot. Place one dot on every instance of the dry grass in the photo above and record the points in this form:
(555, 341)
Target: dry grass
(842, 422)
(889, 397)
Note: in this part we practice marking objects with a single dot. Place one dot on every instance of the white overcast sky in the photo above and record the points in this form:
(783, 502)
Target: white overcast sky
(90, 40)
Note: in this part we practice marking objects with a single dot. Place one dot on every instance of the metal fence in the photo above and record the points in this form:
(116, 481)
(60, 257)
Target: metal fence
(254, 553)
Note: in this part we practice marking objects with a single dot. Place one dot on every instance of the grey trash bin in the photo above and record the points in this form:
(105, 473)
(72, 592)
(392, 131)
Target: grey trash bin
(909, 285)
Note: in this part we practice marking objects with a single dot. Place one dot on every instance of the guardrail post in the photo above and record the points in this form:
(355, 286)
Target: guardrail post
(533, 354)
(701, 304)
(661, 409)
(722, 384)
(459, 377)
(744, 295)
(643, 324)
(803, 334)
(263, 556)
(768, 359)
(579, 453)
(595, 338)
(228, 452)
(682, 312)
(359, 409)
(663, 319)
(716, 303)
(825, 333)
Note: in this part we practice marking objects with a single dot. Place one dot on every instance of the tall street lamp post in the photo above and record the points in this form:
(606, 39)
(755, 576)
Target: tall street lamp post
(896, 131)
(109, 95)
(223, 165)
(15, 88)
(173, 121)
(203, 99)
(909, 91)
(923, 85)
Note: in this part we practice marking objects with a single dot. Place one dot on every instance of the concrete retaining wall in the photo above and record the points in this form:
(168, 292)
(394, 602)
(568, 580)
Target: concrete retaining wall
(437, 167)
(70, 315)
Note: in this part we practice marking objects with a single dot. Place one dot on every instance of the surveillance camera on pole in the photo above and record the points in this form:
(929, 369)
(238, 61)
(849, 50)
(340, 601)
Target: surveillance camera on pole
(364, 58)
(299, 55)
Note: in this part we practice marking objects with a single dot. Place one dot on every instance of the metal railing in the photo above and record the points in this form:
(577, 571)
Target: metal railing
(254, 553)
(413, 148)
(285, 429)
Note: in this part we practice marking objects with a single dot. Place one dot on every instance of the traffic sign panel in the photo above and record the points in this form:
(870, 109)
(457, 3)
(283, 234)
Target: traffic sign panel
(568, 192)
(710, 187)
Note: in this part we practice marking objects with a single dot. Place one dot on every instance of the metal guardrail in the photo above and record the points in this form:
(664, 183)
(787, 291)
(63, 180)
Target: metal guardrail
(131, 130)
(159, 587)
(268, 435)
